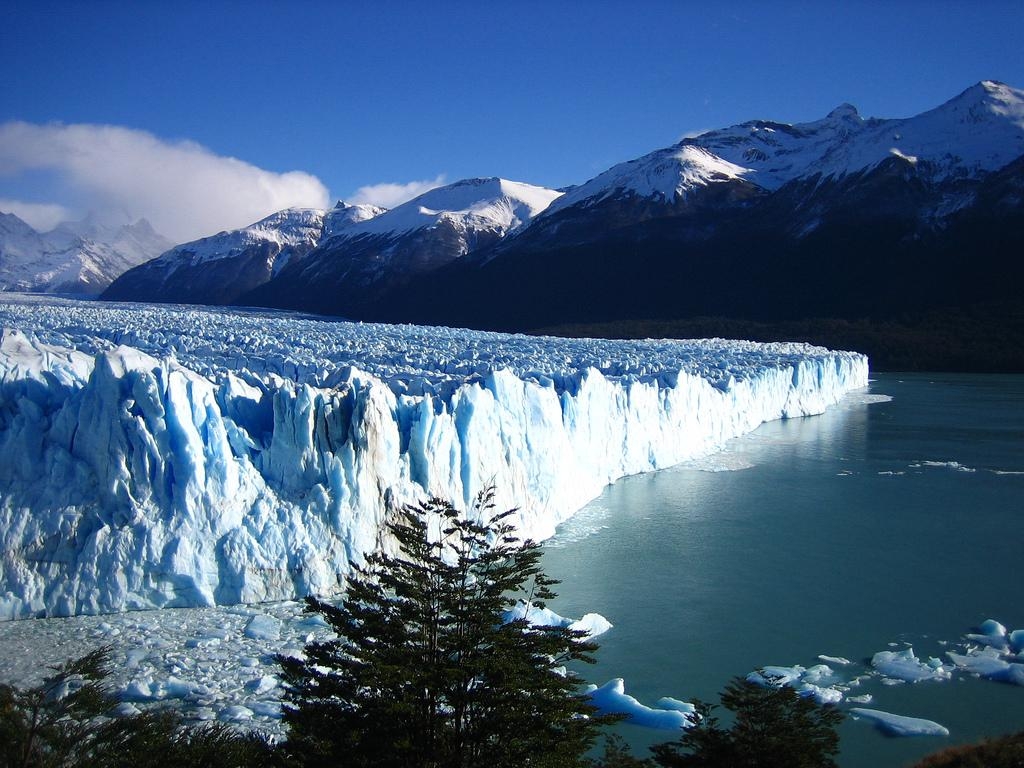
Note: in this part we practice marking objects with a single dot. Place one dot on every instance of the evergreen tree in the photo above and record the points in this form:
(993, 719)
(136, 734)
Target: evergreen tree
(774, 727)
(427, 669)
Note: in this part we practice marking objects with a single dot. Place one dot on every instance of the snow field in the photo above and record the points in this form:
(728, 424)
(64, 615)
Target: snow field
(167, 457)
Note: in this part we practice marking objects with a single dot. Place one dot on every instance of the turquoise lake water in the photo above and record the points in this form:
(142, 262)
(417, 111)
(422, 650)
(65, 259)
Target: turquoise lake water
(871, 527)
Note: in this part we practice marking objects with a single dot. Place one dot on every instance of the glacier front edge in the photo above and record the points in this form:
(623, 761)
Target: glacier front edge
(164, 456)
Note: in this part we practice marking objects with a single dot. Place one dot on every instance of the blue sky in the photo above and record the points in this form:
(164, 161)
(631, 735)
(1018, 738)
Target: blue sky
(209, 105)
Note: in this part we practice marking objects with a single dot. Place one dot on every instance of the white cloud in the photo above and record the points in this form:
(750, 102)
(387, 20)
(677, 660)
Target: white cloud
(184, 189)
(388, 195)
(694, 133)
(42, 217)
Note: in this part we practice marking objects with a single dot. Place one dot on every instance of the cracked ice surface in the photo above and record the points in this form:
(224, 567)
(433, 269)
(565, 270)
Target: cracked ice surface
(156, 456)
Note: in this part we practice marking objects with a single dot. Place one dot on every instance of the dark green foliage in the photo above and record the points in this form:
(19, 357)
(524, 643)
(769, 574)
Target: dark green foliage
(773, 727)
(67, 721)
(1004, 752)
(617, 755)
(51, 723)
(425, 671)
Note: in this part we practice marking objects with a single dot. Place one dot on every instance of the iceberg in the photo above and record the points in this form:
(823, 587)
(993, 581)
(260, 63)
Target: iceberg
(593, 624)
(612, 699)
(167, 456)
(905, 666)
(899, 725)
(818, 682)
(990, 664)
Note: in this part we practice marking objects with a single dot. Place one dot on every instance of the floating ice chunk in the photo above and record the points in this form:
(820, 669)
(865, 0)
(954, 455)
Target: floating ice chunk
(667, 702)
(819, 682)
(777, 676)
(612, 699)
(261, 685)
(266, 709)
(821, 694)
(904, 665)
(724, 461)
(839, 660)
(235, 713)
(865, 698)
(1016, 639)
(263, 627)
(138, 690)
(202, 642)
(536, 615)
(992, 628)
(819, 673)
(147, 689)
(134, 657)
(593, 624)
(947, 464)
(861, 398)
(900, 725)
(990, 633)
(990, 664)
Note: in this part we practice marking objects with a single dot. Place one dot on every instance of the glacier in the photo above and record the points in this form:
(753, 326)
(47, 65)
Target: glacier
(167, 456)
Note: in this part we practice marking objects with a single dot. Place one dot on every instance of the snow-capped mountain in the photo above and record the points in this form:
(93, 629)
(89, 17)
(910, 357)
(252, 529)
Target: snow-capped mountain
(81, 257)
(335, 261)
(220, 268)
(845, 218)
(980, 130)
(353, 267)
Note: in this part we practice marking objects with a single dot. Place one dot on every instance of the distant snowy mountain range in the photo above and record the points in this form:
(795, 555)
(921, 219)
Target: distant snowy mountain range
(346, 257)
(842, 218)
(81, 257)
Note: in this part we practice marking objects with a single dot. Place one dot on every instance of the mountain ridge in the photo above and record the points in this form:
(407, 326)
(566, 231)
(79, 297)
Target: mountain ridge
(844, 217)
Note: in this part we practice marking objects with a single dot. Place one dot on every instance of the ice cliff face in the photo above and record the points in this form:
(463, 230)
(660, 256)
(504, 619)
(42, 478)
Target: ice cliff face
(158, 457)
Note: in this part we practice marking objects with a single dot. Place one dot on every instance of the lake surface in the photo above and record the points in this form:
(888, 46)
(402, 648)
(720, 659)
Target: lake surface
(874, 526)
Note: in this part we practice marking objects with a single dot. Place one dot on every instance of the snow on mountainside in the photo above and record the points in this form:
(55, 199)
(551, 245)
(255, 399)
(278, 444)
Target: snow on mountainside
(343, 216)
(81, 257)
(840, 219)
(980, 130)
(154, 457)
(348, 271)
(220, 268)
(492, 204)
(664, 174)
(352, 250)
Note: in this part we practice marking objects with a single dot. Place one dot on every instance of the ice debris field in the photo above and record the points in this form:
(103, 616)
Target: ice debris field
(219, 664)
(158, 456)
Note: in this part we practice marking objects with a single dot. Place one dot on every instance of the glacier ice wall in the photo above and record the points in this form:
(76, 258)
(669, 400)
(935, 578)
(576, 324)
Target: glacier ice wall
(159, 456)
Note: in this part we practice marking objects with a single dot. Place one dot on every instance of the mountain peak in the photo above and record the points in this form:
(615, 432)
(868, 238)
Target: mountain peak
(992, 97)
(844, 111)
(488, 202)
